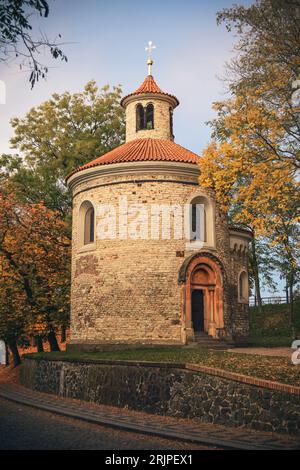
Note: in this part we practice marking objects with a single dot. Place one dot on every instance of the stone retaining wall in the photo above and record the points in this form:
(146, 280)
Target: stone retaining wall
(181, 390)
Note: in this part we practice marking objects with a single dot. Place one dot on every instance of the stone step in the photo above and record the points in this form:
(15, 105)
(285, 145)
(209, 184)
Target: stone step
(204, 340)
(220, 347)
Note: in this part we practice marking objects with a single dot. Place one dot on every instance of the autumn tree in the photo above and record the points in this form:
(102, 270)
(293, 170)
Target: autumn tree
(35, 253)
(261, 196)
(52, 139)
(18, 40)
(252, 162)
(13, 309)
(263, 113)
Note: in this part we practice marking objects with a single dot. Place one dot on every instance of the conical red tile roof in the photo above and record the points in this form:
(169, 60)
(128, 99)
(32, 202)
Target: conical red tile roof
(149, 85)
(144, 150)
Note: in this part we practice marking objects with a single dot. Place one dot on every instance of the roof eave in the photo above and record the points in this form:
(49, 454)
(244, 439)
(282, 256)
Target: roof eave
(149, 95)
(169, 168)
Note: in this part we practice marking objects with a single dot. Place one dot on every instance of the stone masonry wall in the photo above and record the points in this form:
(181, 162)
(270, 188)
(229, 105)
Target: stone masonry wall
(240, 312)
(127, 290)
(169, 390)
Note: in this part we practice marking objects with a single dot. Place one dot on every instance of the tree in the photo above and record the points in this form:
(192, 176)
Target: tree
(53, 139)
(253, 158)
(17, 39)
(261, 268)
(261, 196)
(59, 135)
(36, 251)
(261, 79)
(13, 310)
(284, 237)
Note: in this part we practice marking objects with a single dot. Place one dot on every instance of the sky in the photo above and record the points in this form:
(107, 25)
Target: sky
(105, 41)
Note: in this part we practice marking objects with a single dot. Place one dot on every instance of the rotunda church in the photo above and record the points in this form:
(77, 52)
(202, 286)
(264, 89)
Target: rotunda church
(154, 261)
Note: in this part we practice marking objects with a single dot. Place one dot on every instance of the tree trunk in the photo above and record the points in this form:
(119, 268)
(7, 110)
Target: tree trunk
(63, 334)
(287, 292)
(53, 341)
(15, 352)
(7, 355)
(291, 306)
(256, 275)
(39, 343)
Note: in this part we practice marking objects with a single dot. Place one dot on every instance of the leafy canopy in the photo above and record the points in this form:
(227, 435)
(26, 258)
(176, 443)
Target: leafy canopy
(253, 159)
(59, 135)
(34, 265)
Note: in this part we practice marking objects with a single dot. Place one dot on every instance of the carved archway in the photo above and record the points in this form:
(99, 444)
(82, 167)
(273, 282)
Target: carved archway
(203, 272)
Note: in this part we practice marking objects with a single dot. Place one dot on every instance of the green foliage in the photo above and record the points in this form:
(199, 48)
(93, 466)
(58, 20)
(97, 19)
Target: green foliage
(271, 327)
(35, 212)
(59, 135)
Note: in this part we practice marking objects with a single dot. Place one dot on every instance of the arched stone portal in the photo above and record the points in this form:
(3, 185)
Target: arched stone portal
(201, 273)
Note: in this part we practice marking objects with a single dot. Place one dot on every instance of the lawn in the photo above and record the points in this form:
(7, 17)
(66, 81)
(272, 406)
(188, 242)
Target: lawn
(278, 369)
(270, 328)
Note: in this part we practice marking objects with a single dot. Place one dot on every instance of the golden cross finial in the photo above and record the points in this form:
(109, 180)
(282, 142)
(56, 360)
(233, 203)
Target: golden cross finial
(150, 48)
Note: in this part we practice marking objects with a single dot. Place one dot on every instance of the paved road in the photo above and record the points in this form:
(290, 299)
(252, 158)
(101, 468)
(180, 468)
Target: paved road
(23, 427)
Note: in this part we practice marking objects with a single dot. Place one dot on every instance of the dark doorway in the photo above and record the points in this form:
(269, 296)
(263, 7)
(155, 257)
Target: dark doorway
(198, 310)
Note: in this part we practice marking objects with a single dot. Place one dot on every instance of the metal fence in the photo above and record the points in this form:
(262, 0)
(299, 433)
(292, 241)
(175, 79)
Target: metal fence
(268, 301)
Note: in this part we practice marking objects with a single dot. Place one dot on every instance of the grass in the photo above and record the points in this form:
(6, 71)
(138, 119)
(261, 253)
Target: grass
(279, 369)
(271, 327)
(268, 329)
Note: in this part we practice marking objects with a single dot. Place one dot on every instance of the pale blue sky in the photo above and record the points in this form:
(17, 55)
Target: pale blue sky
(107, 42)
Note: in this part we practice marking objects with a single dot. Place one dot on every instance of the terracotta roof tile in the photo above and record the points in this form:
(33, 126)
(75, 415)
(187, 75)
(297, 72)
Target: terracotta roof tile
(149, 85)
(144, 150)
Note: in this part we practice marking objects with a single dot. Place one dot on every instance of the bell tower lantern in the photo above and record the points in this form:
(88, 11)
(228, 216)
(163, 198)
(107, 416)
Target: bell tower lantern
(149, 110)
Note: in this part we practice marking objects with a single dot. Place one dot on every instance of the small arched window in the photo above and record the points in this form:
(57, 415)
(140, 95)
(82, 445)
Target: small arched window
(243, 287)
(140, 117)
(89, 226)
(86, 221)
(150, 116)
(198, 220)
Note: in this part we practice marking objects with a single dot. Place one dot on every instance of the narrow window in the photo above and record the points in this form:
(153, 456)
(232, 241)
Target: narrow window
(194, 221)
(198, 220)
(89, 224)
(243, 287)
(150, 116)
(171, 122)
(140, 117)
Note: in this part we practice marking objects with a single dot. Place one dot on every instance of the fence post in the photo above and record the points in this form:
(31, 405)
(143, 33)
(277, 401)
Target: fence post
(287, 293)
